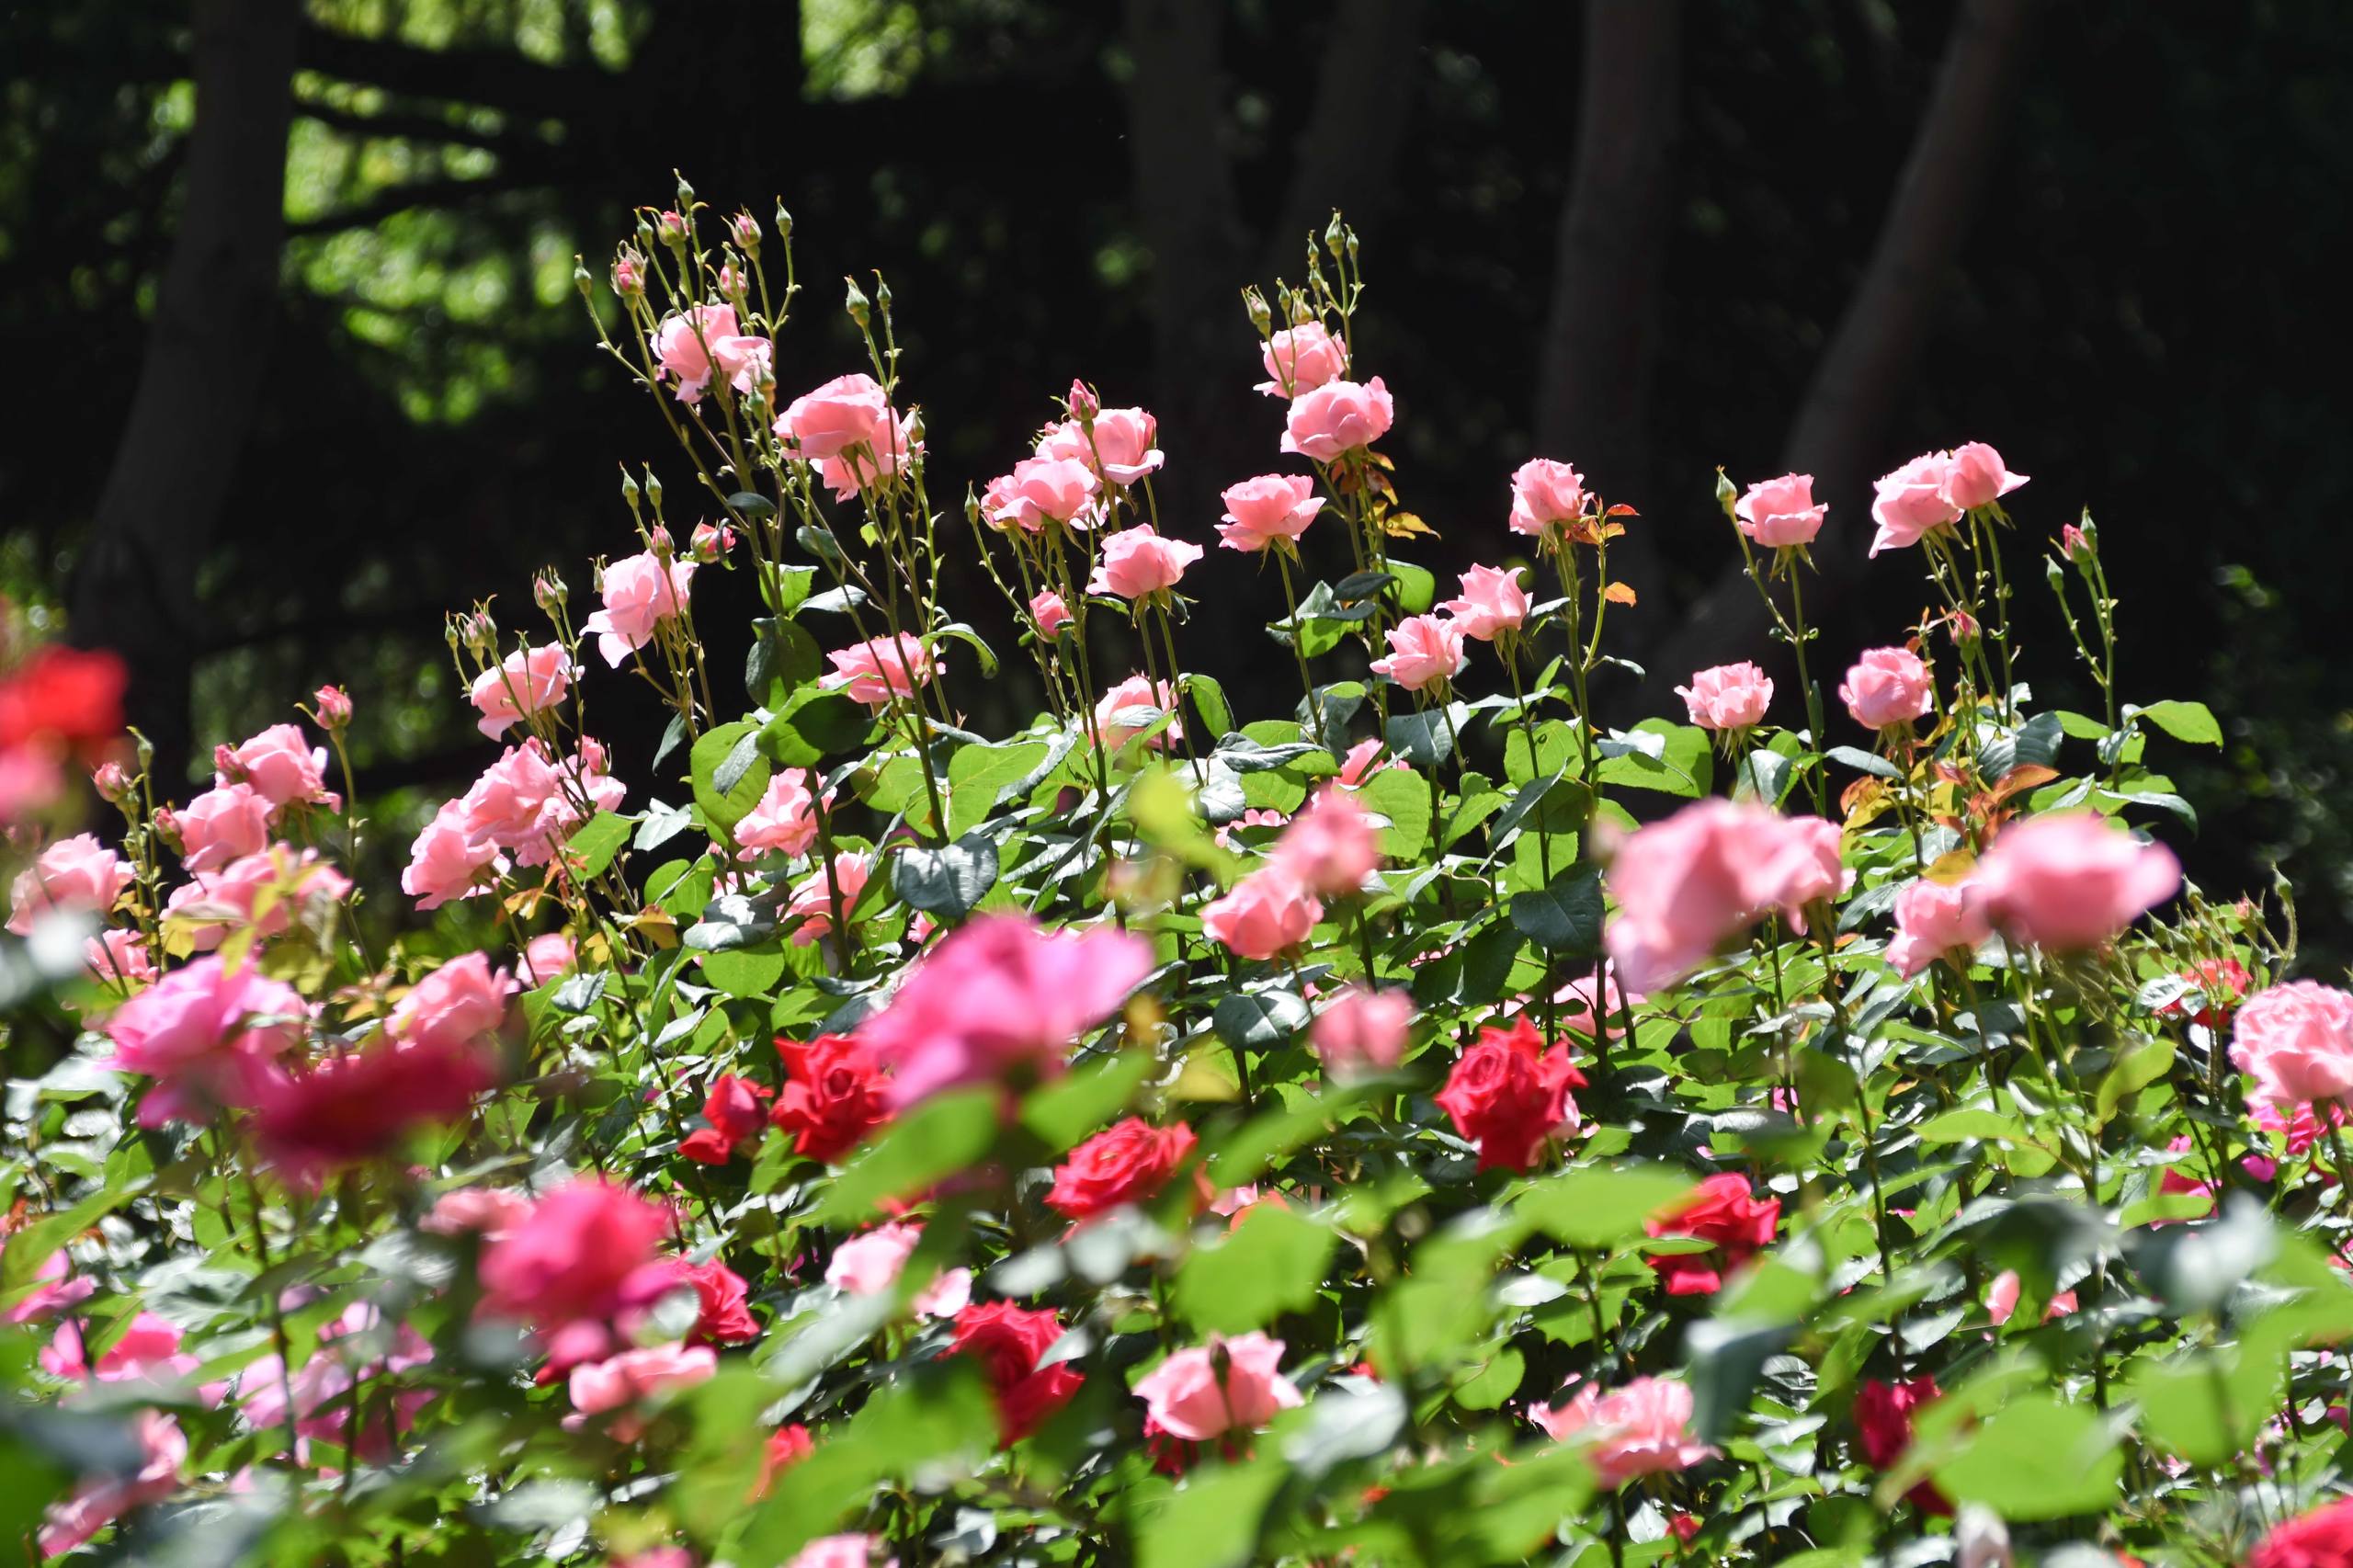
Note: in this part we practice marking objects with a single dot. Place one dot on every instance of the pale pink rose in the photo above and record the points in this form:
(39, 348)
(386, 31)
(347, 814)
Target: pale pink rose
(321, 1393)
(877, 670)
(1685, 884)
(1000, 999)
(448, 863)
(1331, 847)
(1120, 446)
(147, 1351)
(1081, 400)
(1235, 1200)
(840, 1552)
(1423, 651)
(120, 959)
(634, 1375)
(224, 824)
(844, 413)
(1776, 513)
(208, 1035)
(1888, 685)
(526, 682)
(1301, 358)
(888, 449)
(1044, 490)
(510, 805)
(1574, 1001)
(487, 1211)
(2071, 880)
(869, 1264)
(333, 706)
(2296, 1041)
(1363, 761)
(547, 956)
(1728, 696)
(77, 874)
(1269, 911)
(282, 765)
(1910, 504)
(2001, 1298)
(56, 1290)
(1799, 866)
(1642, 1428)
(691, 346)
(456, 1004)
(1048, 612)
(1493, 603)
(1337, 417)
(1130, 708)
(98, 1501)
(299, 884)
(1545, 494)
(1260, 511)
(1362, 1031)
(1975, 476)
(785, 820)
(1933, 919)
(1187, 1397)
(639, 595)
(813, 899)
(1138, 564)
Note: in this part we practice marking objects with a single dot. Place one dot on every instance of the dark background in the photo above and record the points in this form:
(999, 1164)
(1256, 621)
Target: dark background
(299, 366)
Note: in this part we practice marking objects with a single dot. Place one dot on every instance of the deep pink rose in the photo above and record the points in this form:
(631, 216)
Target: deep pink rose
(2071, 880)
(1269, 911)
(207, 1035)
(584, 1252)
(1643, 1428)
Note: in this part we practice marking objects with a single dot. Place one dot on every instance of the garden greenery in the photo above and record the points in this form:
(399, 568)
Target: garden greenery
(1415, 1123)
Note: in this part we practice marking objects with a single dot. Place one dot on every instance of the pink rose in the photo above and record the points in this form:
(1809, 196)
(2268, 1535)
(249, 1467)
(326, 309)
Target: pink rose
(844, 413)
(634, 1375)
(56, 1290)
(1910, 503)
(1138, 564)
(516, 803)
(147, 1351)
(1362, 1031)
(639, 595)
(1260, 511)
(2296, 1041)
(77, 873)
(1800, 865)
(871, 1264)
(1269, 911)
(1049, 614)
(693, 346)
(1227, 1386)
(333, 705)
(1301, 358)
(217, 902)
(1044, 490)
(1643, 1428)
(120, 959)
(1337, 417)
(224, 824)
(1119, 446)
(879, 669)
(448, 863)
(1493, 603)
(487, 1211)
(547, 956)
(2071, 880)
(2001, 1298)
(583, 1254)
(1685, 884)
(1363, 761)
(1133, 706)
(1776, 513)
(1887, 686)
(1933, 919)
(785, 821)
(1728, 696)
(1331, 848)
(1000, 998)
(1974, 477)
(207, 1035)
(1575, 1002)
(839, 1551)
(283, 767)
(526, 682)
(1545, 494)
(456, 1004)
(812, 897)
(1423, 651)
(100, 1500)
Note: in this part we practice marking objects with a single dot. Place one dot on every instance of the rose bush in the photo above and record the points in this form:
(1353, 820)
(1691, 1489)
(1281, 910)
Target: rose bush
(1413, 1123)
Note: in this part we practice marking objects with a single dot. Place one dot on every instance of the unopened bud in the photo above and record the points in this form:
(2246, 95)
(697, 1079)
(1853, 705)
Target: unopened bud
(783, 222)
(712, 541)
(685, 193)
(1261, 316)
(629, 274)
(225, 764)
(1727, 494)
(854, 301)
(478, 632)
(731, 283)
(548, 589)
(580, 276)
(673, 226)
(657, 539)
(1082, 402)
(654, 489)
(1963, 627)
(2079, 543)
(628, 491)
(1335, 234)
(882, 294)
(167, 828)
(112, 783)
(333, 704)
(744, 230)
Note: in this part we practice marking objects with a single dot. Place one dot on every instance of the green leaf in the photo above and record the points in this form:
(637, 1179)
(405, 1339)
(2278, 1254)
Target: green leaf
(600, 839)
(813, 725)
(971, 639)
(943, 1135)
(1270, 1263)
(1416, 589)
(729, 773)
(1426, 737)
(2135, 1070)
(949, 881)
(1601, 1206)
(1489, 1385)
(2036, 1459)
(1209, 700)
(1212, 1521)
(782, 657)
(1961, 1126)
(2190, 721)
(1075, 1105)
(1257, 1021)
(2197, 1407)
(1565, 917)
(1403, 796)
(1683, 764)
(977, 775)
(746, 972)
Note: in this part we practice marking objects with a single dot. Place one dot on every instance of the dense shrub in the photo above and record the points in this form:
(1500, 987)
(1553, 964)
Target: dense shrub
(1413, 1126)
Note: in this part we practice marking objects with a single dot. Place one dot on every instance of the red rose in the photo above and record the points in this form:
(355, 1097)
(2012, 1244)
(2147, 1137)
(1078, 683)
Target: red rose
(787, 1445)
(1721, 1211)
(2322, 1539)
(834, 1097)
(65, 696)
(1883, 1427)
(735, 1110)
(1127, 1164)
(1509, 1094)
(726, 1304)
(1008, 1340)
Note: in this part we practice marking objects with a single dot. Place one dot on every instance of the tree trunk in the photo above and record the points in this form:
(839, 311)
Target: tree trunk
(1841, 428)
(1601, 330)
(201, 381)
(1364, 97)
